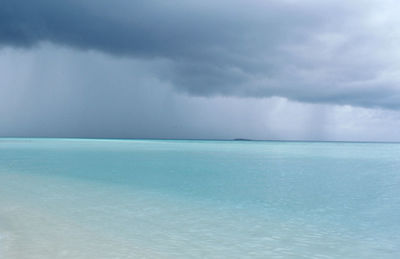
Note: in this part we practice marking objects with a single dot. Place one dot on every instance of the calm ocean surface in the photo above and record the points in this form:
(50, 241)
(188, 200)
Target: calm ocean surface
(75, 198)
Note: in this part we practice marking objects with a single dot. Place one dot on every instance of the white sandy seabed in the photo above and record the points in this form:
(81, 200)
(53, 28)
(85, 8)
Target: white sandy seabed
(77, 219)
(32, 227)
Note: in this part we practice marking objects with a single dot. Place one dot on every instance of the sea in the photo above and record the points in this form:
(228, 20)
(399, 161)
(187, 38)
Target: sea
(88, 198)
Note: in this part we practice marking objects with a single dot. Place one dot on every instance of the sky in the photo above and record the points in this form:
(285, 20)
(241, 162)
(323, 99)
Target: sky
(259, 69)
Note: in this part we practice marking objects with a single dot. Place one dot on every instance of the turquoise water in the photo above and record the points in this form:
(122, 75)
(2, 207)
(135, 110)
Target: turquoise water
(64, 198)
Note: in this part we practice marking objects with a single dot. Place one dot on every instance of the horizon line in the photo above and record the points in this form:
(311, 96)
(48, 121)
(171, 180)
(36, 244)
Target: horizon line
(207, 139)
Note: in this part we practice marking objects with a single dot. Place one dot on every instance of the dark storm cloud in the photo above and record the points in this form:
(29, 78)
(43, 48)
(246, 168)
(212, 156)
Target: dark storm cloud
(54, 91)
(311, 51)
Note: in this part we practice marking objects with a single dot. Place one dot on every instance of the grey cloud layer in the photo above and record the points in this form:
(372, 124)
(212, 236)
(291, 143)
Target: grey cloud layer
(54, 91)
(311, 51)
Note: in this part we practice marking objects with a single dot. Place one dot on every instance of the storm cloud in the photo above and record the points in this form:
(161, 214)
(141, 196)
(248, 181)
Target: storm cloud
(334, 52)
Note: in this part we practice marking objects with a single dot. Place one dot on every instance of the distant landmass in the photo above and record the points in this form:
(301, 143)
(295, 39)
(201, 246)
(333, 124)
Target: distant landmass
(242, 139)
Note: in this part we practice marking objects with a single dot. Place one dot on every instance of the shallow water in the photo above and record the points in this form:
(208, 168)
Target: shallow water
(198, 199)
